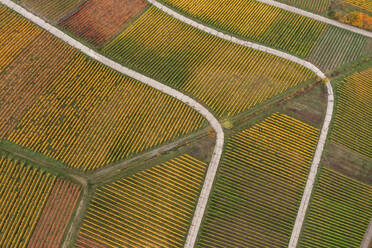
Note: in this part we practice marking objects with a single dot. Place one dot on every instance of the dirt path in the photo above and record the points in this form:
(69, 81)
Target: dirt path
(368, 237)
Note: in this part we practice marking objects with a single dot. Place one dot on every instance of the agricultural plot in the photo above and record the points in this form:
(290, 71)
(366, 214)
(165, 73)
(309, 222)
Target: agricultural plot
(256, 21)
(259, 185)
(56, 214)
(27, 77)
(52, 10)
(353, 119)
(57, 102)
(228, 78)
(98, 116)
(363, 4)
(23, 194)
(316, 6)
(151, 208)
(98, 20)
(336, 47)
(339, 213)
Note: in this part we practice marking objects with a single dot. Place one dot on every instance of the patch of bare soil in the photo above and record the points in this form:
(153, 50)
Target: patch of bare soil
(348, 163)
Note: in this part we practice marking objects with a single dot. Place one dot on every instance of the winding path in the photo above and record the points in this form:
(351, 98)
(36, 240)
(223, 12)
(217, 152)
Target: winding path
(207, 186)
(317, 17)
(193, 232)
(367, 237)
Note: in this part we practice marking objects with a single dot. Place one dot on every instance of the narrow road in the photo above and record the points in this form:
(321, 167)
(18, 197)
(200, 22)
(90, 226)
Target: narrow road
(317, 17)
(194, 229)
(368, 237)
(212, 169)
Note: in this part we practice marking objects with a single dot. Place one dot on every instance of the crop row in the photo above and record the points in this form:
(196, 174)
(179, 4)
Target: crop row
(339, 213)
(152, 208)
(60, 103)
(23, 193)
(56, 214)
(97, 21)
(259, 185)
(317, 6)
(257, 21)
(227, 77)
(337, 47)
(52, 10)
(363, 4)
(353, 119)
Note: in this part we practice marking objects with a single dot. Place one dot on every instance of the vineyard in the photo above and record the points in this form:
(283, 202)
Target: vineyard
(56, 214)
(353, 119)
(23, 194)
(259, 185)
(316, 6)
(152, 208)
(98, 20)
(52, 10)
(363, 4)
(227, 77)
(337, 47)
(256, 21)
(75, 110)
(339, 213)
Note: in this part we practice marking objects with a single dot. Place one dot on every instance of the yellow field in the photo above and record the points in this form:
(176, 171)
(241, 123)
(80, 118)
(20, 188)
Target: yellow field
(13, 31)
(23, 193)
(229, 78)
(353, 119)
(152, 208)
(98, 116)
(259, 185)
(256, 21)
(58, 102)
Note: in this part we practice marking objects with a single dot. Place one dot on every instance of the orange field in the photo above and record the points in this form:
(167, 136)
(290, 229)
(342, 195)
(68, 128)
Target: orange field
(97, 20)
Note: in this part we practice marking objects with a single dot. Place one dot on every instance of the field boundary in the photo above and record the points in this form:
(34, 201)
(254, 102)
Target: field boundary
(316, 17)
(194, 229)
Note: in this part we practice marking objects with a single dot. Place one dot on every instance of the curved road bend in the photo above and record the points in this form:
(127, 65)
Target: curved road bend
(193, 232)
(212, 169)
(317, 17)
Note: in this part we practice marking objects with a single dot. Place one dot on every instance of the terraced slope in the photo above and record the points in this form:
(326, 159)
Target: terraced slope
(23, 194)
(152, 208)
(52, 10)
(353, 119)
(339, 213)
(336, 47)
(256, 21)
(98, 20)
(259, 185)
(79, 112)
(228, 78)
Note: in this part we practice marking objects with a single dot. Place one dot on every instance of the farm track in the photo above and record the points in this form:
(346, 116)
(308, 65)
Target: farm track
(368, 237)
(199, 212)
(207, 186)
(317, 17)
